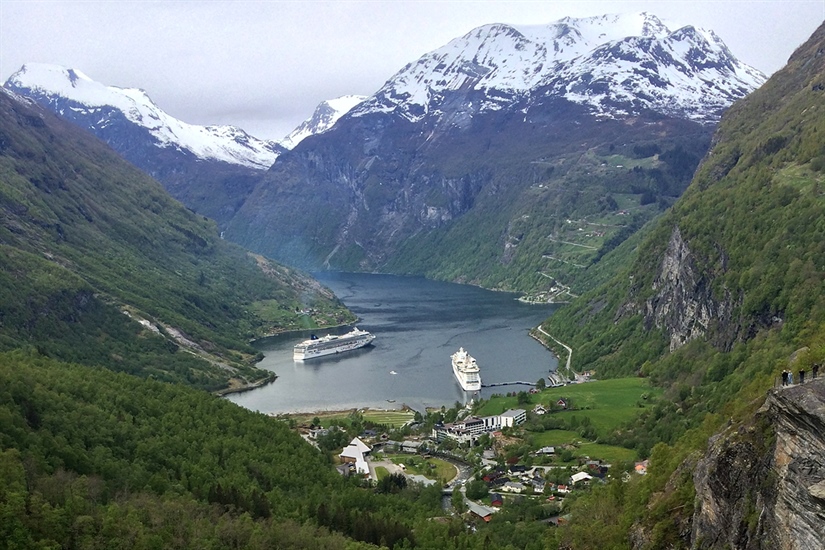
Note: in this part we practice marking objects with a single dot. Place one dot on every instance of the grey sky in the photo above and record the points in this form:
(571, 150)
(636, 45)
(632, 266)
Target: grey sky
(265, 65)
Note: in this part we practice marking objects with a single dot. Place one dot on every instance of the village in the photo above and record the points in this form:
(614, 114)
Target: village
(482, 462)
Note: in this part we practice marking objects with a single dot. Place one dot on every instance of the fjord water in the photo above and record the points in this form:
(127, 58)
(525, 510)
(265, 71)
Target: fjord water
(418, 324)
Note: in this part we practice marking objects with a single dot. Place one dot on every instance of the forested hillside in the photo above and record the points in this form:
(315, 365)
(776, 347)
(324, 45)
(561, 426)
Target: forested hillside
(728, 289)
(99, 265)
(95, 459)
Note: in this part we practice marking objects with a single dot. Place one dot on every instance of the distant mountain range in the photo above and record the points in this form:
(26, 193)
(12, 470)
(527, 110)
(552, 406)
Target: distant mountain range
(211, 169)
(503, 133)
(478, 161)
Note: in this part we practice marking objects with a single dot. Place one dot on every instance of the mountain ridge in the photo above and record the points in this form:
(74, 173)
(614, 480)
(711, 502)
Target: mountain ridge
(569, 58)
(71, 90)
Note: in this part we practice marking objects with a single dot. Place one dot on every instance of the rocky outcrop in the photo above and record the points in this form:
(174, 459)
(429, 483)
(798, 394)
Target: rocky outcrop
(762, 486)
(683, 304)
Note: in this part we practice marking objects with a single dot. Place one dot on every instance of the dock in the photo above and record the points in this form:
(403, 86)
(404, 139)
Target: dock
(516, 383)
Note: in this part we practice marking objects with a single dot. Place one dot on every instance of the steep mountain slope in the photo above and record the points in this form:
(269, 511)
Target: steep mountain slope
(508, 158)
(208, 168)
(100, 266)
(728, 290)
(325, 116)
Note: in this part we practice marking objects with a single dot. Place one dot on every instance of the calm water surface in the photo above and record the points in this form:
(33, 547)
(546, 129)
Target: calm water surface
(418, 324)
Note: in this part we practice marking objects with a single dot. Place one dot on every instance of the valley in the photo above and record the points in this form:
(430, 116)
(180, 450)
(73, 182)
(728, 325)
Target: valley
(656, 203)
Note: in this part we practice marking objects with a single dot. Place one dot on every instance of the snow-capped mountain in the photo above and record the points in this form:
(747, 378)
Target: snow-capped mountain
(76, 96)
(614, 64)
(501, 137)
(325, 116)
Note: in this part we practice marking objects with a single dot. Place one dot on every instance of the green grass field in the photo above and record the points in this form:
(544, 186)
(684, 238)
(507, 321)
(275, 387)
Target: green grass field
(608, 404)
(431, 468)
(392, 418)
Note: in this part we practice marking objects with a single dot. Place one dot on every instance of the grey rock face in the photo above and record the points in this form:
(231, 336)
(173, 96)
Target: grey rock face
(761, 486)
(684, 304)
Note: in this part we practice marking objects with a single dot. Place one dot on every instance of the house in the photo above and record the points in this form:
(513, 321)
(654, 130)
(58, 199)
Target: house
(512, 487)
(562, 403)
(641, 467)
(315, 433)
(480, 510)
(496, 500)
(513, 417)
(411, 446)
(546, 451)
(355, 453)
(538, 409)
(498, 482)
(579, 477)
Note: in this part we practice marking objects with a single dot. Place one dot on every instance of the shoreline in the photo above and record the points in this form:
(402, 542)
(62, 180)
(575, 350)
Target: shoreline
(297, 330)
(246, 387)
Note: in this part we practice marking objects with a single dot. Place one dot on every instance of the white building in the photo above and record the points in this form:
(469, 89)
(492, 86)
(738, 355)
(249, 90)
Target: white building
(356, 453)
(579, 477)
(469, 429)
(513, 417)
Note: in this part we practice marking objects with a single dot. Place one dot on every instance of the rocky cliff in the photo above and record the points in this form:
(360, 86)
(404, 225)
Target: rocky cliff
(762, 485)
(684, 304)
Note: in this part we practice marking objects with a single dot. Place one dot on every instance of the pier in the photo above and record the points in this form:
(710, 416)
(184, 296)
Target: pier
(516, 383)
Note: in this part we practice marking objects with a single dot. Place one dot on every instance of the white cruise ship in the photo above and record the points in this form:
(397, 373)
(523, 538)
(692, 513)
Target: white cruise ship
(466, 370)
(329, 344)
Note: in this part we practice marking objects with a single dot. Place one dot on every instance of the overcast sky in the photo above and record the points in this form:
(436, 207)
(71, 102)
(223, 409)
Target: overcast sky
(265, 65)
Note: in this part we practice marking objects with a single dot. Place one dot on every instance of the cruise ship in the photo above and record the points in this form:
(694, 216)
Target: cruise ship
(466, 370)
(329, 344)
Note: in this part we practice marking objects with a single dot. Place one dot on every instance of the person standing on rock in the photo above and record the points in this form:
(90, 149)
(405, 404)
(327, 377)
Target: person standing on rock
(784, 377)
(815, 370)
(801, 376)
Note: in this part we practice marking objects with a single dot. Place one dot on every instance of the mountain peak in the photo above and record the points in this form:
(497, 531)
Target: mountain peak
(594, 61)
(325, 116)
(71, 92)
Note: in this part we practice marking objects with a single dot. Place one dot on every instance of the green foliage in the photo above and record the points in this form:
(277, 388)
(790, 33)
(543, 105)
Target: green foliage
(85, 238)
(476, 489)
(91, 457)
(752, 221)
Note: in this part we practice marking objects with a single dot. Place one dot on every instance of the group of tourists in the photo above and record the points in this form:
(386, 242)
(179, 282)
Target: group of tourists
(787, 376)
